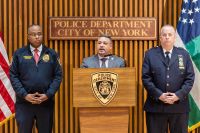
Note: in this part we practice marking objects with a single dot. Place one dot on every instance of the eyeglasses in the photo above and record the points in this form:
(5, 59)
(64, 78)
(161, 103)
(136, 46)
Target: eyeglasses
(35, 34)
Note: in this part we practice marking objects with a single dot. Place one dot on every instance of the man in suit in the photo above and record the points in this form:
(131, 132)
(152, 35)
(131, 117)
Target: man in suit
(35, 75)
(104, 58)
(168, 76)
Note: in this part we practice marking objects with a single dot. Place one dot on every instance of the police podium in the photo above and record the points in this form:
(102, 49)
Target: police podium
(104, 97)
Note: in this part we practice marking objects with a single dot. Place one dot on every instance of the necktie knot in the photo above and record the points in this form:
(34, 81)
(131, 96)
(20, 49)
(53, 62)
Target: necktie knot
(167, 53)
(36, 50)
(103, 60)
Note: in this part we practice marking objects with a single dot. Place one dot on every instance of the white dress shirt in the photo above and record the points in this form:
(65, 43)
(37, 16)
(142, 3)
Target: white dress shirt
(39, 50)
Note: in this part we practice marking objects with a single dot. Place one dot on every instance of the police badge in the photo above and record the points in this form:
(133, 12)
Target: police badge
(104, 86)
(46, 58)
(180, 62)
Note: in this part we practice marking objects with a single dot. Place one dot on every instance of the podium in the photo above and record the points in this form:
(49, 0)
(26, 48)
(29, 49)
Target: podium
(103, 97)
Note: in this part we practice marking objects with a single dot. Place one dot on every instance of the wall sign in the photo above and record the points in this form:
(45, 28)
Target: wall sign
(89, 28)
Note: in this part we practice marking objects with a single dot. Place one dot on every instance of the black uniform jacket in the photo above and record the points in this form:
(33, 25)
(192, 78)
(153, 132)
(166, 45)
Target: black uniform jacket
(27, 77)
(158, 78)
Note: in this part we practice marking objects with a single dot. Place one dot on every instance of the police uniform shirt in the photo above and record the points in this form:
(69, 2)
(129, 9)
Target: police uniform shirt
(167, 76)
(170, 52)
(106, 62)
(39, 50)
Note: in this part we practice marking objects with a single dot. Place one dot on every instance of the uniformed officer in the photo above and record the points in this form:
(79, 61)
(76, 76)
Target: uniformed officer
(168, 76)
(35, 75)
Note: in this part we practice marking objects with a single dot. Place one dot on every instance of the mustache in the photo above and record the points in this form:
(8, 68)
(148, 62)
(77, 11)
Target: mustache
(101, 48)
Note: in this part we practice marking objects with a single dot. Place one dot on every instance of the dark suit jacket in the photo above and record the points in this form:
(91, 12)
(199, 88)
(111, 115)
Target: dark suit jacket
(158, 78)
(93, 62)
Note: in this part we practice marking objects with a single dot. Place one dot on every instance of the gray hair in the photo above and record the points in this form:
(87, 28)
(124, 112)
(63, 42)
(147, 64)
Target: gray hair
(167, 25)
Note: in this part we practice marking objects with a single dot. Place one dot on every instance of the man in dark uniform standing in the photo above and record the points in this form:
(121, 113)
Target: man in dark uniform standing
(168, 77)
(35, 75)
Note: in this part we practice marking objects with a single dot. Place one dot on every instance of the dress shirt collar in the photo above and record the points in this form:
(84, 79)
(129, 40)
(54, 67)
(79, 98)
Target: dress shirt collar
(39, 49)
(170, 52)
(100, 57)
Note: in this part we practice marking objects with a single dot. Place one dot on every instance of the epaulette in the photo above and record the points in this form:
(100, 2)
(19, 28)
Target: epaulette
(155, 47)
(181, 48)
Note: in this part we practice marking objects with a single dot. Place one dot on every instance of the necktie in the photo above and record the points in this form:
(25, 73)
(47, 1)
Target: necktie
(167, 57)
(36, 56)
(103, 60)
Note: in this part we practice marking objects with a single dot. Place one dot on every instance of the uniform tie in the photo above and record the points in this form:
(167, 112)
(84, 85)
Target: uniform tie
(36, 55)
(167, 57)
(103, 60)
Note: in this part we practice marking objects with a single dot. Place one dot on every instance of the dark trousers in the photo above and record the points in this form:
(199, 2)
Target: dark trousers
(159, 122)
(27, 113)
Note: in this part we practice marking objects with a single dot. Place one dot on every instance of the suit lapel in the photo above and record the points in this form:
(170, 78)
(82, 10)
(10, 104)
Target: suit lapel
(173, 56)
(96, 61)
(160, 54)
(44, 50)
(30, 53)
(111, 62)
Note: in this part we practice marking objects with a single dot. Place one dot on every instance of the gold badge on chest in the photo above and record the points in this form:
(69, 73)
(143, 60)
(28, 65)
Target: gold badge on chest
(46, 58)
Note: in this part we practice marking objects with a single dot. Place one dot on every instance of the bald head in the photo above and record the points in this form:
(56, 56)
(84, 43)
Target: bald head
(33, 26)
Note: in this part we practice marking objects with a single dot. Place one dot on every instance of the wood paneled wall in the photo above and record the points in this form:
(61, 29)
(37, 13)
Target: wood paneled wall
(17, 15)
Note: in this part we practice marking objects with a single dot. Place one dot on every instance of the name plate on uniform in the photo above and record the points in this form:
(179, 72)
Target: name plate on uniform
(89, 28)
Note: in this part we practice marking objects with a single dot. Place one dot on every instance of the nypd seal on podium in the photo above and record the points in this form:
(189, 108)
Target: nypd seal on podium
(104, 86)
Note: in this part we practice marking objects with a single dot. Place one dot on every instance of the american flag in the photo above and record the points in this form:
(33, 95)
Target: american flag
(188, 37)
(7, 94)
